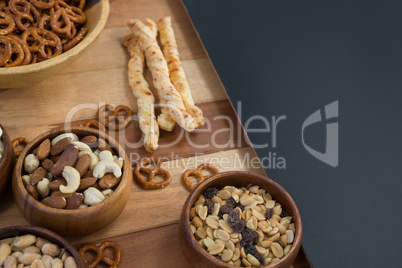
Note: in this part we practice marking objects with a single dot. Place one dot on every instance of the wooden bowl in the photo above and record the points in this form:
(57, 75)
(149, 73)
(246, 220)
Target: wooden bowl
(199, 257)
(97, 12)
(6, 161)
(46, 234)
(74, 222)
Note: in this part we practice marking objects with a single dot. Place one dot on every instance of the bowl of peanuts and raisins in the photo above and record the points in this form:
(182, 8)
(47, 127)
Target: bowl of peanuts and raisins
(240, 219)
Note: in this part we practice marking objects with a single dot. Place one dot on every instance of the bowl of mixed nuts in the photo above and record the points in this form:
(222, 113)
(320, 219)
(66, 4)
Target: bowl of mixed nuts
(7, 159)
(73, 182)
(23, 246)
(240, 219)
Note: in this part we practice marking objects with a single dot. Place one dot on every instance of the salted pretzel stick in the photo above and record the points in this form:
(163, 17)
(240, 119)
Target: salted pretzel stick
(176, 71)
(140, 88)
(160, 73)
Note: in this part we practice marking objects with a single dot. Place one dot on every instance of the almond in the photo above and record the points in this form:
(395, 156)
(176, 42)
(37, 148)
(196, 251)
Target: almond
(108, 181)
(86, 183)
(89, 173)
(82, 164)
(37, 176)
(89, 140)
(60, 146)
(47, 164)
(67, 158)
(55, 184)
(58, 193)
(32, 191)
(55, 201)
(74, 201)
(43, 150)
(102, 145)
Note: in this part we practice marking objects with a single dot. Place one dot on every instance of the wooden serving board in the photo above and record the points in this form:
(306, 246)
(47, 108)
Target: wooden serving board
(147, 228)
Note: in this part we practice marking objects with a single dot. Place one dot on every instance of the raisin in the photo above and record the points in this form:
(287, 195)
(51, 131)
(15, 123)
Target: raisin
(225, 209)
(210, 193)
(250, 249)
(279, 242)
(284, 214)
(259, 257)
(268, 213)
(240, 206)
(218, 257)
(250, 237)
(231, 201)
(209, 205)
(238, 226)
(234, 216)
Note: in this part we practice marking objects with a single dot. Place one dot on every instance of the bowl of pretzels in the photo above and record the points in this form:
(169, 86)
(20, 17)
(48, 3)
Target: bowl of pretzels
(40, 38)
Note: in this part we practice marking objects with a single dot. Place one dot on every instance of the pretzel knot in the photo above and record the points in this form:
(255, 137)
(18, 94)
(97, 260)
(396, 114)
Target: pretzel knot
(7, 22)
(114, 120)
(150, 183)
(198, 173)
(19, 141)
(99, 249)
(95, 124)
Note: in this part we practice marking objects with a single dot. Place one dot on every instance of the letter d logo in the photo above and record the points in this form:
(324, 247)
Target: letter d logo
(330, 156)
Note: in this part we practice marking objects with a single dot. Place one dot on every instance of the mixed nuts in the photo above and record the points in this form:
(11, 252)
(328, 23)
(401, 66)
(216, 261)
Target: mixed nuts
(35, 252)
(242, 226)
(72, 173)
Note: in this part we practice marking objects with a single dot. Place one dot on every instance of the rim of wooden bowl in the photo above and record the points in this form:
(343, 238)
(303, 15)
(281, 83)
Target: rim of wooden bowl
(11, 231)
(87, 41)
(6, 147)
(192, 198)
(53, 133)
(8, 154)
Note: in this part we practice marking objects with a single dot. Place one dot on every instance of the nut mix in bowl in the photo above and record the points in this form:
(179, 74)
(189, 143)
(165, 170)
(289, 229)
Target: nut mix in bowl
(242, 226)
(72, 190)
(72, 173)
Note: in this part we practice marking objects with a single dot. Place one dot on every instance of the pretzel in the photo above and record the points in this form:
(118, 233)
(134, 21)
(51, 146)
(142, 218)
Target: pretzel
(198, 173)
(160, 73)
(140, 89)
(150, 183)
(120, 122)
(19, 141)
(65, 21)
(6, 20)
(2, 5)
(99, 249)
(26, 52)
(75, 14)
(95, 124)
(24, 11)
(78, 37)
(44, 40)
(41, 4)
(176, 72)
(7, 50)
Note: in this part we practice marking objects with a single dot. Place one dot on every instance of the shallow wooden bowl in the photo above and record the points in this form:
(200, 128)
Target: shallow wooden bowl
(75, 222)
(199, 257)
(97, 12)
(6, 161)
(43, 233)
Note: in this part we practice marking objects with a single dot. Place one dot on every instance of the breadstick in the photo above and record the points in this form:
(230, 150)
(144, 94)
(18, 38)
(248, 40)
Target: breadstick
(160, 73)
(177, 75)
(140, 88)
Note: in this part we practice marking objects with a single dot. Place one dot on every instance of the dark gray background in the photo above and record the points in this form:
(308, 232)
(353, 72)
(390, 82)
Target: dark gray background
(292, 57)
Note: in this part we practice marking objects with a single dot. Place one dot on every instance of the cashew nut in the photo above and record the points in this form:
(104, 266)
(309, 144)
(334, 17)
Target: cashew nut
(107, 193)
(31, 163)
(25, 179)
(81, 146)
(72, 177)
(104, 167)
(106, 155)
(118, 160)
(72, 137)
(49, 176)
(43, 188)
(94, 158)
(93, 196)
(83, 206)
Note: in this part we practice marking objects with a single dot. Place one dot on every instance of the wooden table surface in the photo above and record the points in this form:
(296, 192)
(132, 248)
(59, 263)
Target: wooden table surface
(147, 228)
